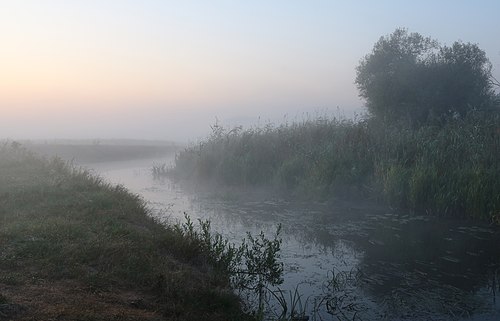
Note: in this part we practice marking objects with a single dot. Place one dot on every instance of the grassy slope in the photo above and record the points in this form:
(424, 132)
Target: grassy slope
(74, 247)
(451, 169)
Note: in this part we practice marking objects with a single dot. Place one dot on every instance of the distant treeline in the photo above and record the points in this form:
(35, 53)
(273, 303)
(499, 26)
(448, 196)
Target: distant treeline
(93, 153)
(453, 169)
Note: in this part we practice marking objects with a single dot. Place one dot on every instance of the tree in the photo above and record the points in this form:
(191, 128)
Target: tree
(461, 78)
(412, 78)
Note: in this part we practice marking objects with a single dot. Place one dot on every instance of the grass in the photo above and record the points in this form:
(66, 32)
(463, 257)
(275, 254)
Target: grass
(447, 169)
(76, 247)
(295, 157)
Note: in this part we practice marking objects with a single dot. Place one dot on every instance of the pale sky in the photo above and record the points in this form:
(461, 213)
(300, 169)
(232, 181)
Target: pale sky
(157, 69)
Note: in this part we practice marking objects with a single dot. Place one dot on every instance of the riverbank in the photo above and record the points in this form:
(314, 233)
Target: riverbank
(443, 169)
(401, 257)
(76, 247)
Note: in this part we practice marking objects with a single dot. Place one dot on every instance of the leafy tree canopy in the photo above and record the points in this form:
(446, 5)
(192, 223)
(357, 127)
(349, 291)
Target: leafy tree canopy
(413, 78)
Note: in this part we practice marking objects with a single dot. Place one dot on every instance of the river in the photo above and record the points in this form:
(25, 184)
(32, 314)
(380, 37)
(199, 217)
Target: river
(348, 260)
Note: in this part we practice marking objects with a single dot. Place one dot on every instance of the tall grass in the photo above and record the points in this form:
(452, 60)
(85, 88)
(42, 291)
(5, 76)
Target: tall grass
(308, 157)
(452, 168)
(61, 224)
(447, 170)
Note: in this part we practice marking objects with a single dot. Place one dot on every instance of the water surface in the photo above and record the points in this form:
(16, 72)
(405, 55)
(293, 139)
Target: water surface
(349, 260)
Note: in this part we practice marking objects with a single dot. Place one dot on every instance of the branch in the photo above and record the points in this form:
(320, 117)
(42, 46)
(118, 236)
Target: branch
(494, 81)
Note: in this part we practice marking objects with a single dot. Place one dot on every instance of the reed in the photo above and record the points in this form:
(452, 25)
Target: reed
(449, 168)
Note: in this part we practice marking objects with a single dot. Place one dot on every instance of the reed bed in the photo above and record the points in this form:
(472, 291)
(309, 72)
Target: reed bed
(449, 168)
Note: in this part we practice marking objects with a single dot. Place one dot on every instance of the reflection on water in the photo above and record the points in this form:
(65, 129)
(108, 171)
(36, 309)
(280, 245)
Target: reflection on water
(359, 261)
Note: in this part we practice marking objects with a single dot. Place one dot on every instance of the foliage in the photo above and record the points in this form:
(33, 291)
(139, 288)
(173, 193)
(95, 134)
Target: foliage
(450, 169)
(253, 265)
(317, 156)
(225, 257)
(261, 266)
(64, 228)
(433, 145)
(412, 78)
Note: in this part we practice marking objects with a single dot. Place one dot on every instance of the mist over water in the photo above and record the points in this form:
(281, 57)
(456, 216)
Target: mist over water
(387, 264)
(152, 123)
(377, 152)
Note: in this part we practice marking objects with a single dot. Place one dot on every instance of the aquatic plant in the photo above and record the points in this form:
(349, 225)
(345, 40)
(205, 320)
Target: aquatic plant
(450, 168)
(292, 307)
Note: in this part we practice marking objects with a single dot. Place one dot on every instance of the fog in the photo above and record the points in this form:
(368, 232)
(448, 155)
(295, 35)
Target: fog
(151, 123)
(169, 70)
(152, 119)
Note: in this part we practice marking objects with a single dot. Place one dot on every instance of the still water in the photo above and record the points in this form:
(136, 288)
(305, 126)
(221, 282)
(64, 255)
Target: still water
(348, 260)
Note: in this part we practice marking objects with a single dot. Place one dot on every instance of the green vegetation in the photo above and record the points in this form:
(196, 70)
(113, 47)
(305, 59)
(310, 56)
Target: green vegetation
(252, 266)
(432, 143)
(452, 169)
(75, 247)
(411, 78)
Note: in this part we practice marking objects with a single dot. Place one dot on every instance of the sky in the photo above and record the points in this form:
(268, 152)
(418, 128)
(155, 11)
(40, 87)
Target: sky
(167, 70)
